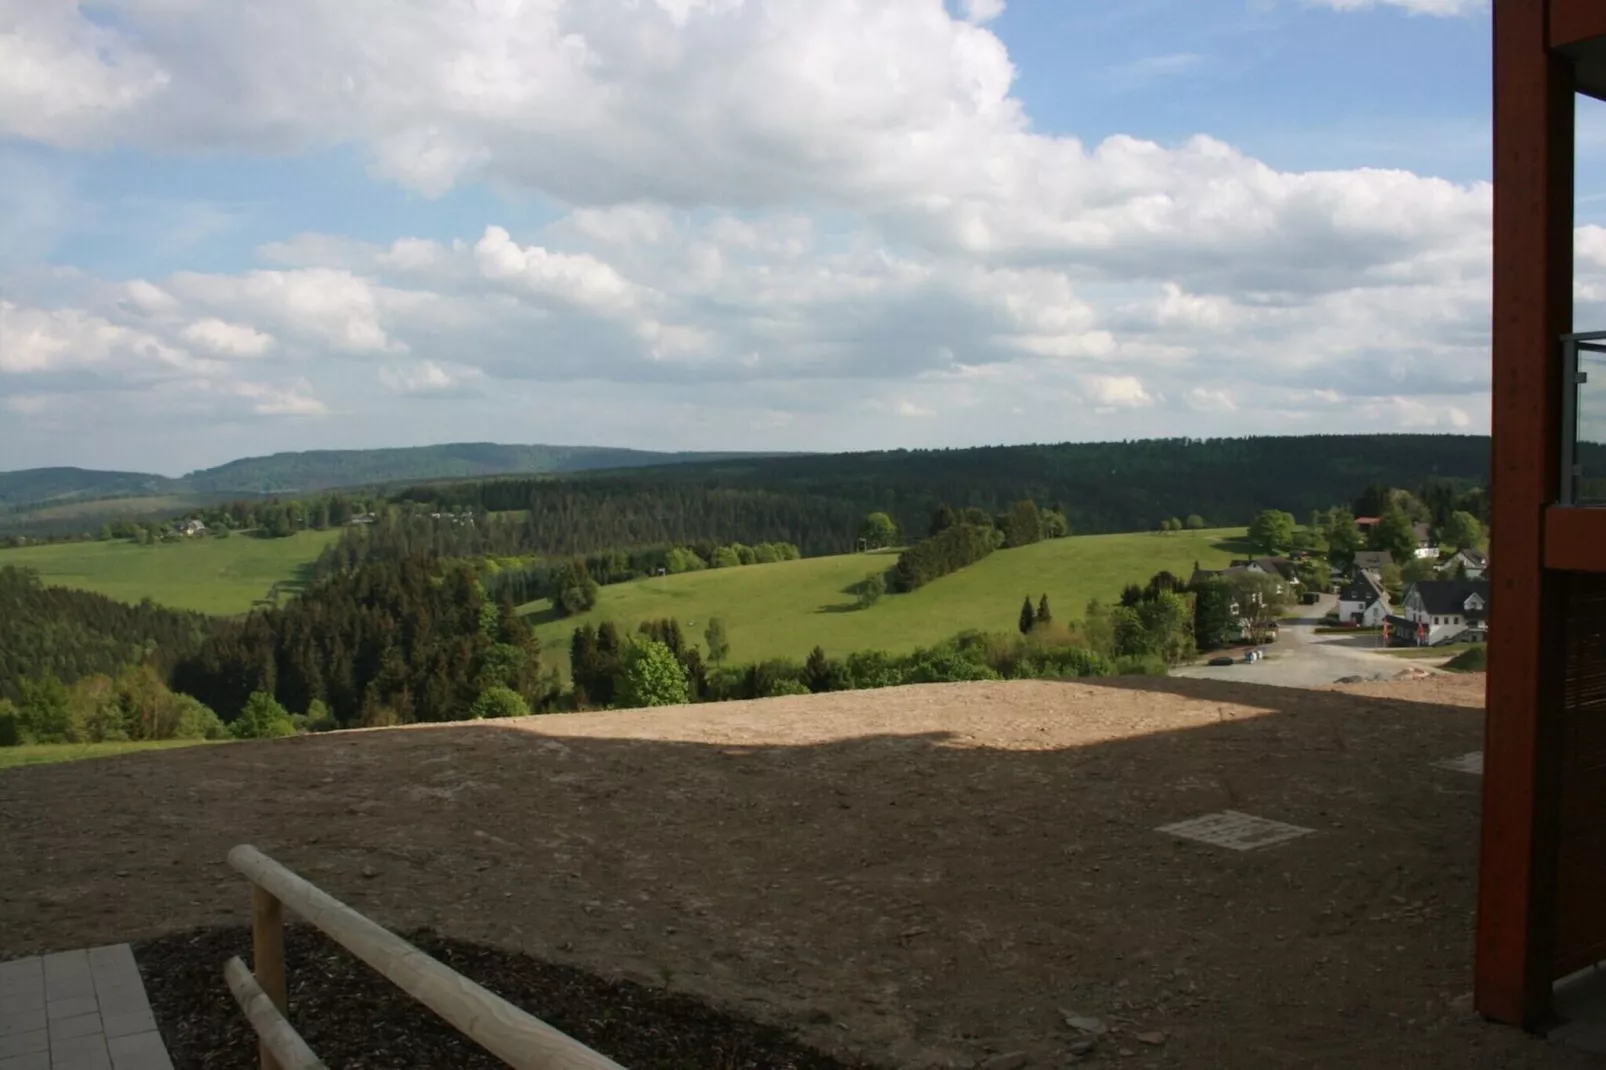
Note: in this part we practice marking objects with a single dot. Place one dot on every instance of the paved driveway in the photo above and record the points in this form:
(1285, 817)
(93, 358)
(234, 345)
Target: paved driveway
(1301, 658)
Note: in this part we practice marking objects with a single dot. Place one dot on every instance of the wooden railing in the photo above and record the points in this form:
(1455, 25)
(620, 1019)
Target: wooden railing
(513, 1035)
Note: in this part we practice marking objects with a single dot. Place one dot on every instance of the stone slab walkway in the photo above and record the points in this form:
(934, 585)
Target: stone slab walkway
(78, 1010)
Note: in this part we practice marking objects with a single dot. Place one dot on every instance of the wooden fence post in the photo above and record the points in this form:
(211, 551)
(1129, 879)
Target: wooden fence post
(267, 956)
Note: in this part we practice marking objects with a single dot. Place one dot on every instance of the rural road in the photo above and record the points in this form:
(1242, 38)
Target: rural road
(1301, 658)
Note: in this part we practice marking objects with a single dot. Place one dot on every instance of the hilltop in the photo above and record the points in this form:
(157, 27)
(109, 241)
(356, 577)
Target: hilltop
(305, 471)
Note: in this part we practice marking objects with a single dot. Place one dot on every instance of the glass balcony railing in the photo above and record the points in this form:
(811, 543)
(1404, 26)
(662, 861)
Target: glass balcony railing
(1583, 444)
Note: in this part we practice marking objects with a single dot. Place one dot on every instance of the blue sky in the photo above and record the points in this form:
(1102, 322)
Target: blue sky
(228, 230)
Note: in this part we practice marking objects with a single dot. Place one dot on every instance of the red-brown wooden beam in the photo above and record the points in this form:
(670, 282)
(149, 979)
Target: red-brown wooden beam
(1575, 539)
(1574, 21)
(1532, 308)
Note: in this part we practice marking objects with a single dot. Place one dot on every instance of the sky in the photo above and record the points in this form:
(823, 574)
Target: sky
(235, 229)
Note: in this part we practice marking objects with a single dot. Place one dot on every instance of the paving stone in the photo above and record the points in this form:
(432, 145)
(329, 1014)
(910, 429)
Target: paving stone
(81, 1053)
(141, 1051)
(30, 998)
(112, 955)
(16, 1020)
(123, 1025)
(67, 974)
(130, 999)
(82, 1025)
(71, 1007)
(28, 1043)
(21, 971)
(41, 1061)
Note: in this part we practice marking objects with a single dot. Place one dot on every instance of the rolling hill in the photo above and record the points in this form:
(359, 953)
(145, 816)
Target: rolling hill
(48, 500)
(220, 576)
(782, 610)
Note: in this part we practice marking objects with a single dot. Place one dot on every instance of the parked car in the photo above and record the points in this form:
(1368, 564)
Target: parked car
(1221, 661)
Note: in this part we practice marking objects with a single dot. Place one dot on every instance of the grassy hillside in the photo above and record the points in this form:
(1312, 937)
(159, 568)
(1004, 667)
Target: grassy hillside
(49, 753)
(783, 610)
(222, 576)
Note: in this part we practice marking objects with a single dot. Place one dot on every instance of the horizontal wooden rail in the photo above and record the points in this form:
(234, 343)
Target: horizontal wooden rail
(513, 1035)
(275, 1033)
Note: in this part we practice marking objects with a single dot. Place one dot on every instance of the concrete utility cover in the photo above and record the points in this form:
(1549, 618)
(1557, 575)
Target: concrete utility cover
(1240, 832)
(1467, 763)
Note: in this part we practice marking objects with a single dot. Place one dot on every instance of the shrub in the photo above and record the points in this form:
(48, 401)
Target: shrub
(193, 719)
(946, 664)
(651, 675)
(948, 551)
(1141, 665)
(10, 724)
(777, 676)
(787, 687)
(873, 668)
(262, 718)
(868, 591)
(498, 701)
(1472, 659)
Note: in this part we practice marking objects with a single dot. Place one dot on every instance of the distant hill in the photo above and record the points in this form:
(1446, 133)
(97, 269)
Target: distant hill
(299, 473)
(36, 487)
(61, 498)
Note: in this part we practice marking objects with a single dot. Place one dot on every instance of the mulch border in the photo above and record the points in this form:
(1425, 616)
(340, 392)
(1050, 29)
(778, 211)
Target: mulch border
(352, 1017)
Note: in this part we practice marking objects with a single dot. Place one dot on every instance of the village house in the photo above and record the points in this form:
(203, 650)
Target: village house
(192, 527)
(1372, 560)
(1425, 546)
(1475, 563)
(1435, 612)
(1363, 601)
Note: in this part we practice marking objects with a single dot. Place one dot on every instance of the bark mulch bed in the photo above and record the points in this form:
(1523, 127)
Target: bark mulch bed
(352, 1017)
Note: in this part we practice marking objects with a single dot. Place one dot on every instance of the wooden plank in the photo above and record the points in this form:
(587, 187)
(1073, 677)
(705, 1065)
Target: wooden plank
(1575, 538)
(1571, 22)
(273, 1031)
(1533, 203)
(267, 958)
(510, 1033)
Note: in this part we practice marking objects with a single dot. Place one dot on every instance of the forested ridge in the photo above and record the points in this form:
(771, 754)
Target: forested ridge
(818, 502)
(73, 634)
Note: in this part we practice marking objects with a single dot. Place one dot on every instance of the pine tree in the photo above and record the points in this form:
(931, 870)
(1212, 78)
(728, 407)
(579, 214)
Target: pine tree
(817, 671)
(1043, 615)
(1028, 618)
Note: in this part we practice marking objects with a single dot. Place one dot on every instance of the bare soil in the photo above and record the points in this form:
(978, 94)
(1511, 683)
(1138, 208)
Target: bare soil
(922, 877)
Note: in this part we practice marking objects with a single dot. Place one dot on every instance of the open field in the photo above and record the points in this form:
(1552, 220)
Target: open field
(49, 753)
(784, 609)
(222, 576)
(924, 876)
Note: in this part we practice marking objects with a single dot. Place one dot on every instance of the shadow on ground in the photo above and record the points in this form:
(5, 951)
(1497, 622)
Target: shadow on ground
(923, 876)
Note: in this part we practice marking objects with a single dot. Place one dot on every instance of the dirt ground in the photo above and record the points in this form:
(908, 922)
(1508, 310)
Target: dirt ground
(925, 877)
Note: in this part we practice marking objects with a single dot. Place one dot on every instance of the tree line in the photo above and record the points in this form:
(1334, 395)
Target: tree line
(390, 643)
(819, 502)
(71, 634)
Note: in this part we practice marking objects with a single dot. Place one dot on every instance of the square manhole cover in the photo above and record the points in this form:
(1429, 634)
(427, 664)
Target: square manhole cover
(1467, 763)
(1240, 832)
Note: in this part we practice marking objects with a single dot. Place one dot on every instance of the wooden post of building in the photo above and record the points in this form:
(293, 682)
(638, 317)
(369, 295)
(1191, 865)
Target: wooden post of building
(1532, 309)
(267, 956)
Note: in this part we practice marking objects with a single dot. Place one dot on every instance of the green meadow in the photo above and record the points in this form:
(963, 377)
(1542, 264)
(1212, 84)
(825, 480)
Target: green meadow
(48, 753)
(221, 576)
(784, 609)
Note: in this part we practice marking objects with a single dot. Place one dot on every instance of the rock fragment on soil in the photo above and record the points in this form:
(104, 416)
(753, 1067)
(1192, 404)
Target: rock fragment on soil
(1085, 1023)
(1013, 1060)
